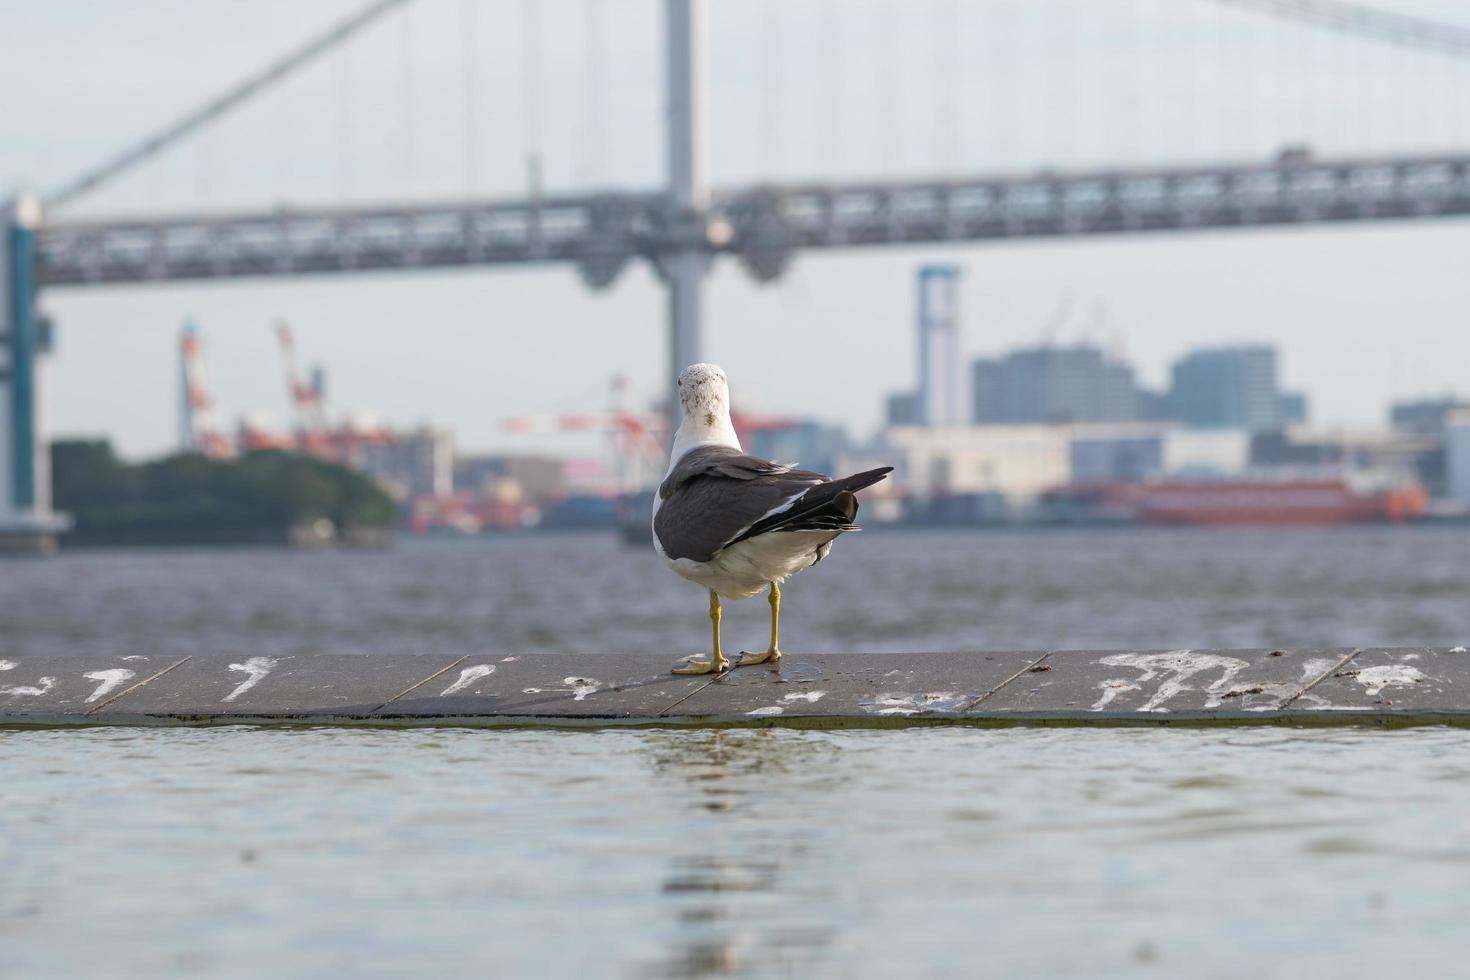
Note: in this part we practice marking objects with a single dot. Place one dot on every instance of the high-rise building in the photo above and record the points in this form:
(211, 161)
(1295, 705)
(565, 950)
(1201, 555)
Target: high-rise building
(939, 400)
(1425, 416)
(902, 409)
(988, 401)
(813, 445)
(1293, 407)
(1227, 387)
(1153, 406)
(1054, 384)
(1457, 454)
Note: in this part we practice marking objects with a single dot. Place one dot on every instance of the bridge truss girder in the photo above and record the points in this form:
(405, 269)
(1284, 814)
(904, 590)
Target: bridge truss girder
(763, 227)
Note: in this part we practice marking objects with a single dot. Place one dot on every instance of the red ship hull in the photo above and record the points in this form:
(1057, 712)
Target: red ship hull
(1265, 502)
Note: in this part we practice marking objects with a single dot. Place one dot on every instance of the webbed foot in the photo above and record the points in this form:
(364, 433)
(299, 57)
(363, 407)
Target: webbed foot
(749, 658)
(717, 665)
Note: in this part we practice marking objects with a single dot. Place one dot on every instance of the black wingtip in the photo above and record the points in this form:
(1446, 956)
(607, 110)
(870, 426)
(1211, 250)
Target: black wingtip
(864, 479)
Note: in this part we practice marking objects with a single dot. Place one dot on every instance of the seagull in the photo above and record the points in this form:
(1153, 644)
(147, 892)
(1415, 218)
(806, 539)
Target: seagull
(736, 524)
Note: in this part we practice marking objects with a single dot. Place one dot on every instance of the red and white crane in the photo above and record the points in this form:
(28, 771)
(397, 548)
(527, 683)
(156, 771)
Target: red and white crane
(197, 431)
(307, 411)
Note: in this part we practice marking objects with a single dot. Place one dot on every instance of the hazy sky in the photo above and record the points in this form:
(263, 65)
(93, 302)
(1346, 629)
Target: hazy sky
(448, 99)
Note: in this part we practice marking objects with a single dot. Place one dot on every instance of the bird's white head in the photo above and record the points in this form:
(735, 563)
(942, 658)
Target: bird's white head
(704, 395)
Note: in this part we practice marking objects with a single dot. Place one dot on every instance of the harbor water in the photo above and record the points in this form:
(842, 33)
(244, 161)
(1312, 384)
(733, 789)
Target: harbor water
(923, 853)
(317, 852)
(900, 591)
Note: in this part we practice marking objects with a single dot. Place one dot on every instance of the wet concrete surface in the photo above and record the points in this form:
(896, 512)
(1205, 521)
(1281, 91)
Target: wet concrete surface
(1379, 680)
(879, 686)
(627, 687)
(1331, 685)
(1207, 682)
(283, 687)
(72, 687)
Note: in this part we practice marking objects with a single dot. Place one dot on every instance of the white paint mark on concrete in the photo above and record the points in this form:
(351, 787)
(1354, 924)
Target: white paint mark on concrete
(1312, 669)
(46, 684)
(1178, 667)
(774, 709)
(582, 686)
(1375, 679)
(1111, 688)
(467, 677)
(901, 703)
(809, 696)
(256, 667)
(110, 680)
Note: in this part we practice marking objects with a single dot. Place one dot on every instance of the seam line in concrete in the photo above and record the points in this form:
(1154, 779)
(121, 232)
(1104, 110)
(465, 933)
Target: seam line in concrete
(996, 689)
(122, 694)
(1322, 677)
(410, 690)
(686, 697)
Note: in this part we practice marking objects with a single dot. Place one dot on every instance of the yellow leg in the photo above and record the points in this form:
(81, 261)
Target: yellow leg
(773, 654)
(717, 662)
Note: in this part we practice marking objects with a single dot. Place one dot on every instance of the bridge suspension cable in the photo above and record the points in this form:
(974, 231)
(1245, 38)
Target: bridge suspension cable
(1365, 21)
(220, 105)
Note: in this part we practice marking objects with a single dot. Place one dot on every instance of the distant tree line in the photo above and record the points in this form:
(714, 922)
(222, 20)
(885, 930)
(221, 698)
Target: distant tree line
(189, 498)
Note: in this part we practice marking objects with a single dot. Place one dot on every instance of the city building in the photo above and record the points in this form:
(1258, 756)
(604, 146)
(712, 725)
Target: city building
(1227, 387)
(1425, 416)
(1153, 406)
(1292, 408)
(1138, 452)
(1053, 384)
(939, 398)
(902, 409)
(1341, 447)
(1457, 455)
(1016, 463)
(810, 445)
(536, 478)
(412, 464)
(1117, 457)
(1396, 457)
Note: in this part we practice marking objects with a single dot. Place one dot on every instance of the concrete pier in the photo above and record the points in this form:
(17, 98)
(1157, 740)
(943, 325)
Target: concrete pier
(1296, 686)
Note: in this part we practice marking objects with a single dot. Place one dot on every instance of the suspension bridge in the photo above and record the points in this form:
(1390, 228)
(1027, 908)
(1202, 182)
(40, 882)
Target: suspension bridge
(679, 228)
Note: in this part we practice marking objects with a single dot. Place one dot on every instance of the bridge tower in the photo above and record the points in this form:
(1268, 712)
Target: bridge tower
(685, 255)
(26, 520)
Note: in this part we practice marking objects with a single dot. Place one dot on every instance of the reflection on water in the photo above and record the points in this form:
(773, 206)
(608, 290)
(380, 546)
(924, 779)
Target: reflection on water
(747, 845)
(929, 852)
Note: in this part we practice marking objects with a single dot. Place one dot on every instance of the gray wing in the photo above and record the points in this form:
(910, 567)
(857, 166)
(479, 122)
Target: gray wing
(714, 494)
